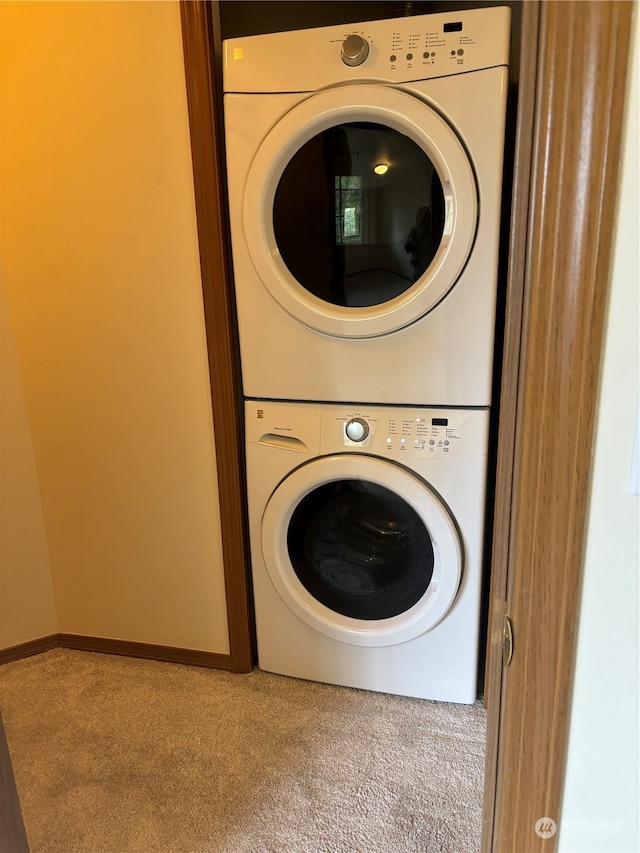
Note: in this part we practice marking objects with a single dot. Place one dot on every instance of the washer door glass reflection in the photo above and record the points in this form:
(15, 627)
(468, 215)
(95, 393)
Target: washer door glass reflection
(358, 214)
(360, 549)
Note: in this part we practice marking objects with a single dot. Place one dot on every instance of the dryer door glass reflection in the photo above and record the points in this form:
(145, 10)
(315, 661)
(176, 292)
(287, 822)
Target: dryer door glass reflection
(360, 549)
(358, 214)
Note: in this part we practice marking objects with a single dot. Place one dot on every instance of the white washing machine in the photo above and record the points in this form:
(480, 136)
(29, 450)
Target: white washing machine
(365, 170)
(366, 528)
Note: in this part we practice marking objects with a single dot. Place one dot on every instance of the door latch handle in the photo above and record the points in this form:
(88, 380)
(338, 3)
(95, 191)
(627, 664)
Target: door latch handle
(507, 641)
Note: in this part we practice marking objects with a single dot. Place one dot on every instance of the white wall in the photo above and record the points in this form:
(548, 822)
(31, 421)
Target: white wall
(601, 795)
(103, 294)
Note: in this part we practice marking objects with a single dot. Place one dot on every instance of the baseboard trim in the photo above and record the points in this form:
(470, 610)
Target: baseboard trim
(31, 647)
(149, 651)
(126, 648)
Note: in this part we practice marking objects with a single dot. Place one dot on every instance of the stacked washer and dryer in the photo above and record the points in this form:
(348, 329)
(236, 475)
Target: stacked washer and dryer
(364, 171)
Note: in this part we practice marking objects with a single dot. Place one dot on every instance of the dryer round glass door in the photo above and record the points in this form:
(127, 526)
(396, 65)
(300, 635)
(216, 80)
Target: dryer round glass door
(362, 550)
(358, 214)
(360, 210)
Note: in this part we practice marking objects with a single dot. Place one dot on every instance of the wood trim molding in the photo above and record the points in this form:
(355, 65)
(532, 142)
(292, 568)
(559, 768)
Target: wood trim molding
(206, 144)
(580, 85)
(127, 648)
(32, 647)
(148, 651)
(514, 339)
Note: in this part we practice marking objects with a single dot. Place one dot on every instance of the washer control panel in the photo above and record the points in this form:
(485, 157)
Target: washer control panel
(395, 432)
(404, 433)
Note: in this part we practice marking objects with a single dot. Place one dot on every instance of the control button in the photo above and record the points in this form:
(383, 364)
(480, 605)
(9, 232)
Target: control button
(431, 441)
(403, 441)
(417, 442)
(453, 53)
(460, 52)
(354, 50)
(439, 444)
(425, 55)
(393, 57)
(433, 54)
(409, 57)
(446, 444)
(357, 429)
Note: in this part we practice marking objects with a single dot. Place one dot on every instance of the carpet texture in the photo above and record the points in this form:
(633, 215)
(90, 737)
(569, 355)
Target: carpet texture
(117, 755)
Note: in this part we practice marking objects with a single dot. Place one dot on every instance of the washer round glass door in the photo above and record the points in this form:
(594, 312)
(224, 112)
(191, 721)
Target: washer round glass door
(362, 550)
(360, 210)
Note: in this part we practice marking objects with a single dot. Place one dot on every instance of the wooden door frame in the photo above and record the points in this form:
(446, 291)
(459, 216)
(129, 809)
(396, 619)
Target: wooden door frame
(219, 311)
(570, 119)
(13, 836)
(562, 227)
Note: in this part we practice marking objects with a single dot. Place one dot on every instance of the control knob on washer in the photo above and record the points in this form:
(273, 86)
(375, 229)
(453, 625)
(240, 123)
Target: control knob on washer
(357, 429)
(354, 50)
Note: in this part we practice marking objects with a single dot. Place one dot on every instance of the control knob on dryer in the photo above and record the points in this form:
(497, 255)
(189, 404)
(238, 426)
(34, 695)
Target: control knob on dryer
(357, 429)
(354, 50)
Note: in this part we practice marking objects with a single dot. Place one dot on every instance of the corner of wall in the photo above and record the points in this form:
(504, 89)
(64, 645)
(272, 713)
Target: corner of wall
(27, 601)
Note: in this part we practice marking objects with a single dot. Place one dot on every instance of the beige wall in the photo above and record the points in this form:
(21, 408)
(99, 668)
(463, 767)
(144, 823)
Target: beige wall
(27, 602)
(102, 288)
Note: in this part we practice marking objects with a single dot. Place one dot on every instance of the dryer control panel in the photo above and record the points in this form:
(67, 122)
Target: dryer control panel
(397, 50)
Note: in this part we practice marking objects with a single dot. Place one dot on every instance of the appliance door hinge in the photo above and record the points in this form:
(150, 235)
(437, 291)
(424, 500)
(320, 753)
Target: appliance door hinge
(507, 641)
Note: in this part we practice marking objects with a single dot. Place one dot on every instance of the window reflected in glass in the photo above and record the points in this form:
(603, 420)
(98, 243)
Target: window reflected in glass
(349, 232)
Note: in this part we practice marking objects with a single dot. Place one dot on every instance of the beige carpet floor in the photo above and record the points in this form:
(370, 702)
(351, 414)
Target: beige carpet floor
(118, 755)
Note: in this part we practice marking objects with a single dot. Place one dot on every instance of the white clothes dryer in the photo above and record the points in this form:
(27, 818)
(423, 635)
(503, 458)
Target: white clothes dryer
(364, 174)
(366, 530)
